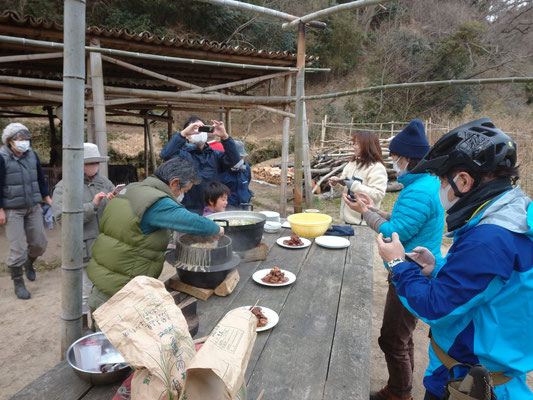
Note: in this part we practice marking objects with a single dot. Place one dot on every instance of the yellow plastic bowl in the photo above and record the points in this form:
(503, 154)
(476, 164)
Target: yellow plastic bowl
(309, 225)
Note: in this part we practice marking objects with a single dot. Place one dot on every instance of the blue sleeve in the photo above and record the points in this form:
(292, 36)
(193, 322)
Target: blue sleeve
(230, 156)
(474, 272)
(409, 215)
(166, 213)
(173, 147)
(2, 180)
(43, 185)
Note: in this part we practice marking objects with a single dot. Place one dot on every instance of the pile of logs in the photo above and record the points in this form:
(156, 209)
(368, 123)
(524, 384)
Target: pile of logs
(335, 154)
(272, 174)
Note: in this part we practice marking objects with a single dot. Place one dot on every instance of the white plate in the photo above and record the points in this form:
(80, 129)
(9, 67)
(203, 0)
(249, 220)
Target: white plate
(272, 316)
(286, 224)
(332, 242)
(306, 243)
(263, 272)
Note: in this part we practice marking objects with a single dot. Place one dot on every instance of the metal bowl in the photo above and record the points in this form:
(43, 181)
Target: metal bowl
(87, 354)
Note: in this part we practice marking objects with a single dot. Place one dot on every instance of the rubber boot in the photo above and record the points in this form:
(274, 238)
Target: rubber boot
(28, 267)
(18, 281)
(385, 394)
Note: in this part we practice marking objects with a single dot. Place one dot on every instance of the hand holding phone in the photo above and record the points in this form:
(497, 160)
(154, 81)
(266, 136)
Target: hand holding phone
(118, 189)
(206, 128)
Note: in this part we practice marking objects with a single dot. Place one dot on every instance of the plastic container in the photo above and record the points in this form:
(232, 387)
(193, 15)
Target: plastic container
(309, 225)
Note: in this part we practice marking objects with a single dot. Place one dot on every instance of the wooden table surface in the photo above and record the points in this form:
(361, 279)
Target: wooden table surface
(320, 348)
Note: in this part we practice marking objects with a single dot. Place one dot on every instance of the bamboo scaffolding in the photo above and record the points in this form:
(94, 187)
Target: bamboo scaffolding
(453, 82)
(285, 139)
(154, 57)
(276, 111)
(299, 122)
(328, 11)
(97, 86)
(262, 10)
(37, 94)
(238, 83)
(136, 115)
(147, 72)
(30, 57)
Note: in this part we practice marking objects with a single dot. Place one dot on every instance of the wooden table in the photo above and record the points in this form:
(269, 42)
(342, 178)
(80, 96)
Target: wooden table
(320, 349)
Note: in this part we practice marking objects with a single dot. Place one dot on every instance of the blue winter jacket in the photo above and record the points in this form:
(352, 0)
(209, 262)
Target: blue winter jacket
(480, 304)
(209, 164)
(238, 182)
(417, 215)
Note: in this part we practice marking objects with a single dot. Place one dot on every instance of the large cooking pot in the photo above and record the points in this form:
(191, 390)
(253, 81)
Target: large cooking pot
(244, 237)
(221, 261)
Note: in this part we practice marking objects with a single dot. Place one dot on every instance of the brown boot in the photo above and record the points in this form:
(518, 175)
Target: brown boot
(385, 394)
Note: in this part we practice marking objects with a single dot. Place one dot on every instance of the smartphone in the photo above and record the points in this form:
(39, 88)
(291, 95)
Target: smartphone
(351, 198)
(206, 128)
(118, 188)
(407, 258)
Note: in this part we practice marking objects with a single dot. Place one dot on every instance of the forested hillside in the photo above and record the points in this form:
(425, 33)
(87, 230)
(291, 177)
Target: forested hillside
(404, 41)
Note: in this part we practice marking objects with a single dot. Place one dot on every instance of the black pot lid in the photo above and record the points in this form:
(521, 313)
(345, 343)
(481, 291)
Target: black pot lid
(230, 264)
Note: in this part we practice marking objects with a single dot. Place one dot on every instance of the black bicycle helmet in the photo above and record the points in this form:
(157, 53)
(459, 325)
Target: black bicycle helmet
(477, 145)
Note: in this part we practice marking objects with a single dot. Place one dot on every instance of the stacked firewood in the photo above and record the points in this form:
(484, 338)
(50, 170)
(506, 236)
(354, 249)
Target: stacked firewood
(272, 174)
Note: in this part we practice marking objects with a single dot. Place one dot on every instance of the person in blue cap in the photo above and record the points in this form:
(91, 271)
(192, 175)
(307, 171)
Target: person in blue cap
(237, 179)
(418, 218)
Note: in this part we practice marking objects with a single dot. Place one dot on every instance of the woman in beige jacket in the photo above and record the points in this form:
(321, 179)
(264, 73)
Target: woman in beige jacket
(366, 173)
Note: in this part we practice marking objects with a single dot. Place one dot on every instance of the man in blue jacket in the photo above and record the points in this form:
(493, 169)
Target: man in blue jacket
(480, 302)
(237, 179)
(191, 145)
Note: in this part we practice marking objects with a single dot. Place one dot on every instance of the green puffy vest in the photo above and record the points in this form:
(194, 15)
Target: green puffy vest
(121, 251)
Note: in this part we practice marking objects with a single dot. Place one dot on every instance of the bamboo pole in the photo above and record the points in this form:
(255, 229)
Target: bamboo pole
(97, 83)
(228, 121)
(238, 83)
(72, 213)
(276, 111)
(145, 152)
(328, 11)
(91, 136)
(155, 57)
(285, 151)
(144, 71)
(262, 10)
(299, 131)
(30, 57)
(136, 115)
(323, 131)
(37, 94)
(308, 182)
(452, 82)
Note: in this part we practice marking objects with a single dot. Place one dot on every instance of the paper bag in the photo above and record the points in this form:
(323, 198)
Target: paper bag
(217, 370)
(150, 331)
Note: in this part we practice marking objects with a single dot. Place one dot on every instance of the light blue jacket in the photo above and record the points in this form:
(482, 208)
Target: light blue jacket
(480, 305)
(417, 216)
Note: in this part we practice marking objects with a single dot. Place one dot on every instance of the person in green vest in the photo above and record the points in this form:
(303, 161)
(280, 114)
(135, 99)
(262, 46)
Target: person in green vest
(134, 229)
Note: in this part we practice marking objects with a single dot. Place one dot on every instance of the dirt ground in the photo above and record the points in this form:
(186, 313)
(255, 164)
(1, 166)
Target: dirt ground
(31, 329)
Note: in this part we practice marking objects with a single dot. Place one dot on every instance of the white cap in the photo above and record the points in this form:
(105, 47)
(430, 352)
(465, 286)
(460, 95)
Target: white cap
(91, 154)
(15, 130)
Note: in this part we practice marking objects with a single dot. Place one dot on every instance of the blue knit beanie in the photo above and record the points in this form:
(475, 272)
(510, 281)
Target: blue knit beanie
(411, 141)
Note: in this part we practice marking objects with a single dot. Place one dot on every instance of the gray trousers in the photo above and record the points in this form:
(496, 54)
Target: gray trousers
(26, 235)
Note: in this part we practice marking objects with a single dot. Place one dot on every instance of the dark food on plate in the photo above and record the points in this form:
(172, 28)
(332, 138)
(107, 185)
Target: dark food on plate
(262, 320)
(275, 276)
(293, 241)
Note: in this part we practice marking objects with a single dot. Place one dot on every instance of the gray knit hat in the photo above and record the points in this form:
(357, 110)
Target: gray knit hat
(14, 131)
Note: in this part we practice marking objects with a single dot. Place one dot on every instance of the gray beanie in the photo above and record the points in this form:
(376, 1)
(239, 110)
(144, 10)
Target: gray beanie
(14, 131)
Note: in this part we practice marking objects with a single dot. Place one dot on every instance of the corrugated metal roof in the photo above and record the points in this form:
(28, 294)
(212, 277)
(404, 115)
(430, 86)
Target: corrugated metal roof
(13, 18)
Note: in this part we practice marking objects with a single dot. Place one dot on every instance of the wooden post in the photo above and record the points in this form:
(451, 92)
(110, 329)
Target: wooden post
(285, 151)
(429, 131)
(351, 123)
(169, 114)
(148, 130)
(91, 137)
(145, 153)
(308, 183)
(323, 133)
(97, 82)
(300, 125)
(392, 129)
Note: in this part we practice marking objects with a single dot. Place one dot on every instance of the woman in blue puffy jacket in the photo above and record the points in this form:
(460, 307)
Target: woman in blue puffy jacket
(479, 303)
(418, 218)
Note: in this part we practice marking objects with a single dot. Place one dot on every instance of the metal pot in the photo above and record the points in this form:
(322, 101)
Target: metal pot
(222, 261)
(244, 237)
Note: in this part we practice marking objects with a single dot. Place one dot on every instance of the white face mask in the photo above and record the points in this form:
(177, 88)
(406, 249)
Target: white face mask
(199, 138)
(443, 196)
(180, 197)
(395, 166)
(238, 166)
(21, 145)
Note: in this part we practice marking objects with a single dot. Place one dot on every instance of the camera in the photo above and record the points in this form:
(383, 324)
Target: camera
(206, 128)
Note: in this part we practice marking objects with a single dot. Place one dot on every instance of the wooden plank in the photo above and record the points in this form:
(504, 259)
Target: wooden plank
(296, 357)
(59, 383)
(363, 251)
(105, 392)
(199, 293)
(349, 367)
(228, 284)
